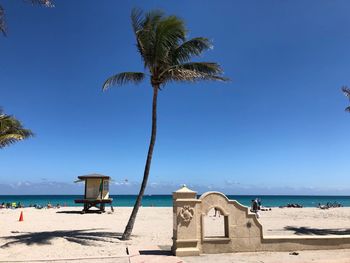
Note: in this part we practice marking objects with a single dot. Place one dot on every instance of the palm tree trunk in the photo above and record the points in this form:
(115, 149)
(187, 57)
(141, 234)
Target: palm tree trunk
(128, 229)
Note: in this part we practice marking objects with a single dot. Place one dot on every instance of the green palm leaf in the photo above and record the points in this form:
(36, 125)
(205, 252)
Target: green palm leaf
(144, 29)
(11, 130)
(123, 78)
(169, 33)
(190, 48)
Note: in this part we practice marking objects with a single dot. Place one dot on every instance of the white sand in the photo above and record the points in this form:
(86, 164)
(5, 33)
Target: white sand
(50, 234)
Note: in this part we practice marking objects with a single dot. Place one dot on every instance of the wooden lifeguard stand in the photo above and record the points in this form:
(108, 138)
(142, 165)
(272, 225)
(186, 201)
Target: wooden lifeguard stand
(96, 192)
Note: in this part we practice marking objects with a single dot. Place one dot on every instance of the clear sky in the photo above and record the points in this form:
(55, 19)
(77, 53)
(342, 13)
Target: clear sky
(279, 123)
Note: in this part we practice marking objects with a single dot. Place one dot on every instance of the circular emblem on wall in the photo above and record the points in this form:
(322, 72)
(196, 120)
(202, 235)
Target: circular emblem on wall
(186, 213)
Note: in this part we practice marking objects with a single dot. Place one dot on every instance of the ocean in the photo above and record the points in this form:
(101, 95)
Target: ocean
(166, 200)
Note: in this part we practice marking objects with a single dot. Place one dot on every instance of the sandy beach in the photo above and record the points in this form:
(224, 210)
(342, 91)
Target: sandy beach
(65, 234)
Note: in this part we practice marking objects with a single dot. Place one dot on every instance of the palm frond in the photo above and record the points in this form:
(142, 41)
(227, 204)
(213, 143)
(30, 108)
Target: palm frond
(123, 78)
(6, 140)
(346, 91)
(194, 71)
(11, 130)
(45, 3)
(141, 21)
(181, 74)
(170, 32)
(137, 19)
(204, 67)
(144, 28)
(2, 21)
(190, 48)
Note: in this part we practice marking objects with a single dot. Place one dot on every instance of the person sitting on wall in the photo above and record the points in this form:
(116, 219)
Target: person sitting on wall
(259, 203)
(254, 207)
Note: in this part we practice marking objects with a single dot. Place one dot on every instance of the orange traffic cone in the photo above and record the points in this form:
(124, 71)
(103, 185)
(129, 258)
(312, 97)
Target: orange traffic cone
(21, 217)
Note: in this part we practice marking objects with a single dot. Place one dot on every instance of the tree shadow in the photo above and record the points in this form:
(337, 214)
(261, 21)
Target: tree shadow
(85, 237)
(318, 231)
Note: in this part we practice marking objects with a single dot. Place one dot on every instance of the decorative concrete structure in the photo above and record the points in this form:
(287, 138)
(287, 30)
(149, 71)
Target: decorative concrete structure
(241, 231)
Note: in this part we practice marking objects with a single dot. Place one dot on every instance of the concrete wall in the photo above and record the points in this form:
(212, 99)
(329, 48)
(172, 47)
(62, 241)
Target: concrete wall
(243, 232)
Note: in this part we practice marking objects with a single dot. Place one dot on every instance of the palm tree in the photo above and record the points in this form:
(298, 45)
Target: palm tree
(346, 92)
(45, 3)
(11, 130)
(166, 53)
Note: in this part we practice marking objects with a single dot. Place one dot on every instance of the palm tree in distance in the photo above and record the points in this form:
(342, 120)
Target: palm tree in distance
(3, 29)
(11, 130)
(346, 92)
(166, 53)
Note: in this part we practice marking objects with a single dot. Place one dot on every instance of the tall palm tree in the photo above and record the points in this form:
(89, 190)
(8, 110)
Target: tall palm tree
(11, 130)
(346, 92)
(45, 3)
(166, 53)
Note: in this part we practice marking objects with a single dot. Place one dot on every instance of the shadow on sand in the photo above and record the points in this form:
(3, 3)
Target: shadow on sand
(81, 212)
(69, 212)
(318, 231)
(85, 237)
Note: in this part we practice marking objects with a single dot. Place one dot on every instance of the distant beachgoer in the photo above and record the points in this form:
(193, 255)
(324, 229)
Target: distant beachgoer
(259, 203)
(254, 206)
(49, 205)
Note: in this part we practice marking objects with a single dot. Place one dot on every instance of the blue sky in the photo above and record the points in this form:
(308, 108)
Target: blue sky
(279, 123)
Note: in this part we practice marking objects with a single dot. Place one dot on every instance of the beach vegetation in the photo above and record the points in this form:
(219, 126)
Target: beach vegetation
(346, 92)
(166, 53)
(11, 130)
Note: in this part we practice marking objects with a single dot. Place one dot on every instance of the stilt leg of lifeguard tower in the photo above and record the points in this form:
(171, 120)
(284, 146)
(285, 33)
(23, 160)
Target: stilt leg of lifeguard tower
(85, 208)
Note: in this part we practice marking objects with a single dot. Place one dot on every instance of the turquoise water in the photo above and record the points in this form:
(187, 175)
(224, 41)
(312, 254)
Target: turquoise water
(166, 200)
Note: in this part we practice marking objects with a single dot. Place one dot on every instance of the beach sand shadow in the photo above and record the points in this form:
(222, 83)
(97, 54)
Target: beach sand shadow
(69, 212)
(318, 231)
(81, 212)
(85, 237)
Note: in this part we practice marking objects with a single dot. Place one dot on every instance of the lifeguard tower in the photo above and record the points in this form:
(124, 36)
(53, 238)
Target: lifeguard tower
(96, 192)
